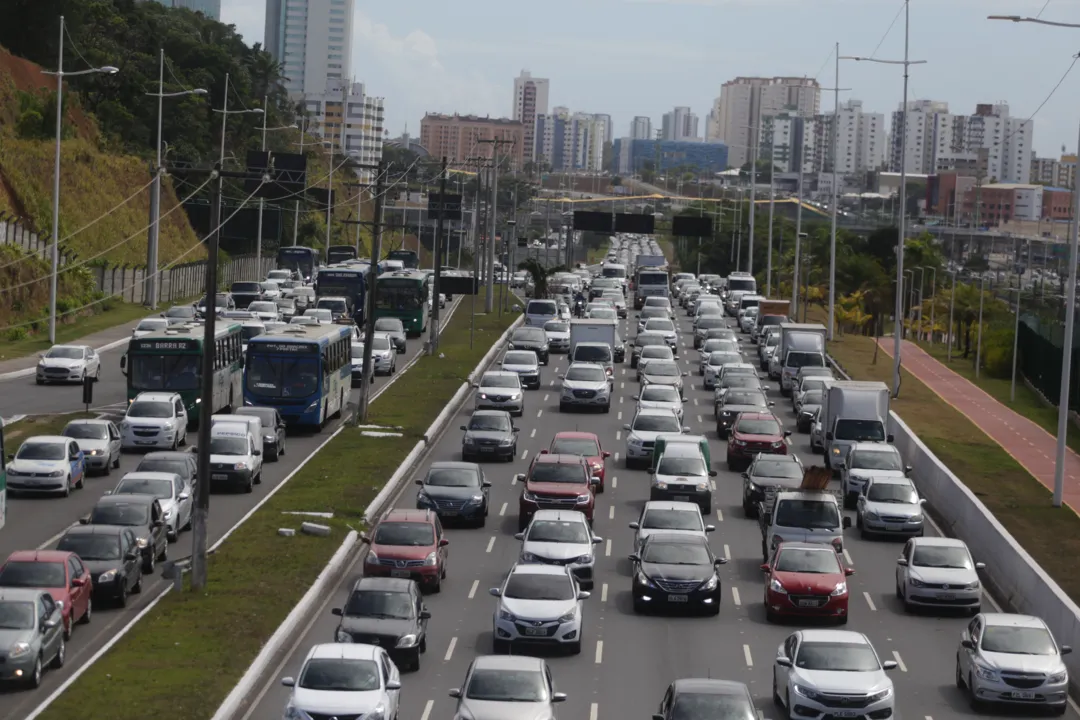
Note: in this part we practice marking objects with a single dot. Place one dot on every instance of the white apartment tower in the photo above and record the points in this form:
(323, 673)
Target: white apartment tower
(312, 39)
(361, 136)
(530, 100)
(680, 124)
(861, 139)
(786, 137)
(641, 128)
(744, 101)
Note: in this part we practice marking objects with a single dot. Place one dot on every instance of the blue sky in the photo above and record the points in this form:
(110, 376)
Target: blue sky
(642, 57)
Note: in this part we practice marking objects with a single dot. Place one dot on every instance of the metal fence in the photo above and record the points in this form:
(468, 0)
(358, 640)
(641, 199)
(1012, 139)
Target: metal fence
(178, 282)
(1040, 362)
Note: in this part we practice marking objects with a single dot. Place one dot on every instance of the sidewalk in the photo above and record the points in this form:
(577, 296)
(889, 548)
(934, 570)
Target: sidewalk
(102, 341)
(1028, 443)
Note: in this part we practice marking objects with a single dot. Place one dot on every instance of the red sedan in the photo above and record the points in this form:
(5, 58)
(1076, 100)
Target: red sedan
(583, 444)
(61, 573)
(806, 580)
(408, 544)
(754, 433)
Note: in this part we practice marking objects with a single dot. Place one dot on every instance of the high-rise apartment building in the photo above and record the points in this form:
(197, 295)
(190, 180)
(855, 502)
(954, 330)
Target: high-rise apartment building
(1058, 173)
(530, 100)
(312, 39)
(361, 137)
(744, 101)
(457, 137)
(641, 128)
(568, 141)
(787, 137)
(680, 124)
(860, 139)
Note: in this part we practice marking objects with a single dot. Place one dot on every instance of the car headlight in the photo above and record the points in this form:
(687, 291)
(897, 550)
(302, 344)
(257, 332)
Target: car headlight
(582, 560)
(840, 589)
(94, 453)
(915, 582)
(142, 542)
(1058, 677)
(506, 443)
(778, 444)
(528, 496)
(379, 713)
(986, 673)
(56, 473)
(740, 443)
(167, 425)
(475, 499)
(643, 579)
(483, 396)
(660, 485)
(776, 587)
(703, 486)
(431, 559)
(528, 557)
(371, 559)
(506, 615)
(342, 637)
(567, 618)
(584, 498)
(836, 451)
(422, 497)
(240, 466)
(805, 692)
(870, 515)
(407, 641)
(881, 695)
(916, 519)
(973, 585)
(269, 438)
(19, 649)
(711, 583)
(312, 407)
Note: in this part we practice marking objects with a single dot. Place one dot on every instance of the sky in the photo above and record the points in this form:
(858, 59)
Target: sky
(643, 57)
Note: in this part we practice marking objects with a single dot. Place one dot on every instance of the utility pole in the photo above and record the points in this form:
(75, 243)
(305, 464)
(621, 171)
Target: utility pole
(433, 336)
(835, 192)
(753, 205)
(476, 249)
(369, 299)
(798, 222)
(489, 299)
(772, 204)
(296, 203)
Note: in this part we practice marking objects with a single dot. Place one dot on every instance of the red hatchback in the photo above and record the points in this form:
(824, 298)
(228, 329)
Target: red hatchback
(408, 544)
(806, 580)
(61, 573)
(754, 433)
(556, 482)
(582, 444)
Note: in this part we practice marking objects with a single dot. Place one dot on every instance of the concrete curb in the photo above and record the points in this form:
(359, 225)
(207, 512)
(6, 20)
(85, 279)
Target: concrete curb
(315, 594)
(390, 489)
(447, 410)
(27, 372)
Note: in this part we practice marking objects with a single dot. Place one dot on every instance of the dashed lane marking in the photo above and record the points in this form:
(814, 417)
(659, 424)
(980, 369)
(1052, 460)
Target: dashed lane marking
(899, 661)
(607, 548)
(614, 482)
(727, 552)
(735, 596)
(848, 559)
(427, 710)
(524, 453)
(719, 515)
(533, 433)
(450, 649)
(870, 601)
(611, 513)
(472, 589)
(491, 544)
(599, 651)
(502, 510)
(603, 593)
(539, 413)
(594, 712)
(746, 654)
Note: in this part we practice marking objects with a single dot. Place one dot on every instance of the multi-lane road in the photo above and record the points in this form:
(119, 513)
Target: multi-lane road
(39, 522)
(629, 659)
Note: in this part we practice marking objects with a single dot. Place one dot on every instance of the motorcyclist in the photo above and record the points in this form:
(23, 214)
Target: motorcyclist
(579, 303)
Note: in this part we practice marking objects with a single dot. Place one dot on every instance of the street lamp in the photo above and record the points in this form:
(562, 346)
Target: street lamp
(835, 190)
(262, 202)
(60, 75)
(952, 302)
(225, 113)
(933, 295)
(155, 198)
(1016, 335)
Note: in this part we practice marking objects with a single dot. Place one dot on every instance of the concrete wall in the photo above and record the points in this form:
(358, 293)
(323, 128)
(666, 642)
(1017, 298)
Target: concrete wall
(178, 282)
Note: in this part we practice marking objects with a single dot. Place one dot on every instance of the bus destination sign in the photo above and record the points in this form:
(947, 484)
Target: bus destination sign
(164, 345)
(286, 348)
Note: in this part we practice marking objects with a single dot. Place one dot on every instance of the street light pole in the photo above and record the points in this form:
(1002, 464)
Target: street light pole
(949, 335)
(933, 303)
(978, 346)
(1016, 335)
(835, 190)
(798, 226)
(772, 205)
(753, 205)
(918, 307)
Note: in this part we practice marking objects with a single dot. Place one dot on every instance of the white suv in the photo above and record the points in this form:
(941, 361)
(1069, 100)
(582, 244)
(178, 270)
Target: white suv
(154, 420)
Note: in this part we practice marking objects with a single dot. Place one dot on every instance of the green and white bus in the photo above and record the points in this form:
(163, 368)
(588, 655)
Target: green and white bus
(406, 295)
(171, 361)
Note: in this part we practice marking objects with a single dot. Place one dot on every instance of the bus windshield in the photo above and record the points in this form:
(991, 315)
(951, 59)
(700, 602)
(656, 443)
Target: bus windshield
(398, 296)
(164, 372)
(270, 376)
(301, 259)
(653, 278)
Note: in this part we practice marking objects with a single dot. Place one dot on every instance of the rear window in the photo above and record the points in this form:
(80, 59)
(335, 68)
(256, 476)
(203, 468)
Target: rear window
(541, 307)
(592, 353)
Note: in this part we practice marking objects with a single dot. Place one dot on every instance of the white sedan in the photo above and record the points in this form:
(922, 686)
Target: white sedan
(68, 363)
(345, 680)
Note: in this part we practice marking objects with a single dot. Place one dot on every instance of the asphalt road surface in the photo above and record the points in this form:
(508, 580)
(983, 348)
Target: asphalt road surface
(39, 522)
(628, 660)
(22, 396)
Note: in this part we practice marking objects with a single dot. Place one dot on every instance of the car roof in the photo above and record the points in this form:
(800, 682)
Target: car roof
(12, 594)
(47, 556)
(48, 439)
(890, 480)
(407, 515)
(491, 413)
(874, 447)
(560, 458)
(74, 347)
(125, 500)
(758, 416)
(89, 421)
(155, 396)
(710, 686)
(654, 412)
(499, 373)
(230, 429)
(387, 584)
(1013, 620)
(453, 465)
(834, 636)
(538, 569)
(672, 505)
(508, 662)
(937, 541)
(670, 538)
(169, 455)
(575, 434)
(683, 449)
(559, 515)
(95, 530)
(351, 651)
(806, 546)
(148, 475)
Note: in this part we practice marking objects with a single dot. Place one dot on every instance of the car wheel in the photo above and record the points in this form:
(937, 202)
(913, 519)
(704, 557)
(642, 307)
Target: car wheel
(148, 565)
(67, 487)
(437, 587)
(116, 462)
(164, 556)
(959, 679)
(69, 627)
(122, 598)
(39, 381)
(82, 480)
(87, 616)
(137, 587)
(974, 701)
(34, 681)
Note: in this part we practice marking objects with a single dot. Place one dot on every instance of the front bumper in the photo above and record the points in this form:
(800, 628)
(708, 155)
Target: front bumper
(528, 508)
(452, 509)
(883, 526)
(146, 438)
(702, 498)
(17, 669)
(231, 478)
(596, 400)
(788, 605)
(97, 462)
(999, 690)
(515, 405)
(495, 451)
(639, 452)
(654, 594)
(530, 380)
(940, 597)
(836, 706)
(542, 632)
(110, 589)
(36, 483)
(559, 345)
(60, 374)
(424, 576)
(382, 364)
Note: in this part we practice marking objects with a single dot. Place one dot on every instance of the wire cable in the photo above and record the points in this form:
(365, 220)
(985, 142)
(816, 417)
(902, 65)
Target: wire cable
(1061, 80)
(1039, 15)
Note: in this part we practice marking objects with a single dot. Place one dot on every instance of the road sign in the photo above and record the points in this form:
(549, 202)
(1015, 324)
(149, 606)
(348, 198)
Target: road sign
(448, 206)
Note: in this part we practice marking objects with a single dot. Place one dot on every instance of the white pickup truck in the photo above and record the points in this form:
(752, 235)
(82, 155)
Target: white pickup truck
(811, 516)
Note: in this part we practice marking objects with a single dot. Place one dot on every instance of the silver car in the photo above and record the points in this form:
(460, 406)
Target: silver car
(507, 687)
(499, 390)
(661, 397)
(525, 364)
(889, 506)
(558, 335)
(669, 516)
(99, 440)
(395, 330)
(663, 372)
(561, 537)
(938, 572)
(32, 635)
(665, 328)
(63, 363)
(585, 385)
(383, 354)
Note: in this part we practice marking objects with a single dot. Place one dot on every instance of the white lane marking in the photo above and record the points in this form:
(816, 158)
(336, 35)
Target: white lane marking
(539, 413)
(748, 656)
(502, 510)
(594, 712)
(899, 661)
(513, 480)
(603, 593)
(695, 401)
(450, 649)
(848, 558)
(621, 398)
(599, 651)
(614, 482)
(491, 544)
(524, 453)
(51, 541)
(546, 396)
(552, 383)
(616, 457)
(699, 419)
(622, 386)
(427, 710)
(611, 513)
(607, 548)
(472, 589)
(712, 484)
(870, 601)
(533, 433)
(618, 436)
(719, 515)
(735, 596)
(727, 553)
(619, 417)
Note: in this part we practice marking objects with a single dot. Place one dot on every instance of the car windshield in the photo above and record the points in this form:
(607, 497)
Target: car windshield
(150, 409)
(91, 547)
(388, 325)
(644, 340)
(357, 351)
(65, 353)
(529, 586)
(586, 374)
(734, 380)
(1018, 640)
(860, 430)
(657, 352)
(224, 445)
(340, 675)
(723, 357)
(529, 335)
(31, 450)
(876, 460)
(753, 426)
(380, 343)
(837, 657)
(520, 358)
(263, 306)
(602, 314)
(812, 383)
(162, 489)
(131, 514)
(412, 534)
(181, 311)
(586, 447)
(813, 397)
(777, 469)
(671, 520)
(246, 287)
(755, 399)
(660, 393)
(151, 325)
(592, 353)
(657, 423)
(663, 368)
(797, 359)
(801, 560)
(497, 685)
(955, 558)
(490, 423)
(452, 477)
(650, 313)
(892, 493)
(556, 472)
(681, 466)
(33, 574)
(807, 514)
(379, 604)
(16, 615)
(87, 431)
(558, 531)
(556, 327)
(180, 467)
(541, 307)
(668, 553)
(500, 381)
(714, 706)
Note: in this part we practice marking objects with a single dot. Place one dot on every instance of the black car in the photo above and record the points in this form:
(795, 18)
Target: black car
(490, 433)
(766, 471)
(642, 340)
(111, 555)
(273, 427)
(676, 571)
(455, 490)
(531, 338)
(245, 293)
(141, 513)
(388, 612)
(184, 464)
(706, 699)
(735, 401)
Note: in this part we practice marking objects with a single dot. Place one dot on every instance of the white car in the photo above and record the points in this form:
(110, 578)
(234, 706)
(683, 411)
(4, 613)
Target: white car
(723, 356)
(938, 572)
(538, 604)
(304, 320)
(497, 687)
(828, 672)
(154, 420)
(345, 680)
(667, 516)
(265, 310)
(322, 315)
(498, 390)
(356, 350)
(561, 537)
(99, 440)
(714, 365)
(661, 397)
(68, 363)
(174, 496)
(150, 325)
(383, 354)
(651, 313)
(585, 385)
(682, 476)
(889, 506)
(642, 431)
(47, 464)
(558, 335)
(865, 460)
(235, 457)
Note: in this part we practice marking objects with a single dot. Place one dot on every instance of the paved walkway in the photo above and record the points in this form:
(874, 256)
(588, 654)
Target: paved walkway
(1027, 442)
(100, 341)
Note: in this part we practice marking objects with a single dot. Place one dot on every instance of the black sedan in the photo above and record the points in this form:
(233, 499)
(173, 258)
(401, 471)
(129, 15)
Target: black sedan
(676, 571)
(490, 433)
(388, 612)
(111, 556)
(455, 491)
(143, 515)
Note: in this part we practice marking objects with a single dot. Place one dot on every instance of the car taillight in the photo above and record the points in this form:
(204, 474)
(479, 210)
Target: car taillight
(838, 544)
(607, 370)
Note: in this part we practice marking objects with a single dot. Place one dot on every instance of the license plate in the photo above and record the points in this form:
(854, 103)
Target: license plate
(945, 596)
(146, 442)
(808, 603)
(400, 573)
(219, 476)
(678, 598)
(844, 713)
(682, 498)
(487, 449)
(1021, 695)
(896, 527)
(448, 513)
(536, 631)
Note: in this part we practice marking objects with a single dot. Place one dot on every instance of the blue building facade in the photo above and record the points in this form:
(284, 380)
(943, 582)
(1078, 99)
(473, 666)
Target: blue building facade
(630, 155)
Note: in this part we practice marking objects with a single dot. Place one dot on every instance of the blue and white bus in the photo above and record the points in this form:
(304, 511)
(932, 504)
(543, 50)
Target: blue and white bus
(305, 371)
(342, 281)
(302, 259)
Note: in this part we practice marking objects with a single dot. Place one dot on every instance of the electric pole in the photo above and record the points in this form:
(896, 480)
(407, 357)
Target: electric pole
(489, 295)
(433, 336)
(369, 298)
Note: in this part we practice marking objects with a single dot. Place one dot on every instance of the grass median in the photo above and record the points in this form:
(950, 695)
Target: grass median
(185, 656)
(1019, 501)
(18, 432)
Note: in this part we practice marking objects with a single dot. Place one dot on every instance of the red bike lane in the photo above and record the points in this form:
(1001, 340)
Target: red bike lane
(1027, 442)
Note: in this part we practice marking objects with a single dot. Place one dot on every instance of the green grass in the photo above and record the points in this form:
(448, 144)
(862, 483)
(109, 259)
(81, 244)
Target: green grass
(118, 314)
(597, 254)
(16, 433)
(207, 640)
(1019, 501)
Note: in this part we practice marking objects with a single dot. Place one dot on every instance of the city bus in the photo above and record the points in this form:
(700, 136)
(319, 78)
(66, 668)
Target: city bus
(301, 258)
(344, 282)
(408, 258)
(171, 361)
(405, 295)
(304, 371)
(340, 253)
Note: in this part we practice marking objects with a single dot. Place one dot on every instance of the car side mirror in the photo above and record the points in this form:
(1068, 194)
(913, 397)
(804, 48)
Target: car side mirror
(1065, 649)
(515, 429)
(978, 565)
(183, 496)
(787, 433)
(902, 562)
(558, 697)
(765, 567)
(922, 501)
(485, 483)
(635, 526)
(626, 426)
(772, 403)
(594, 481)
(828, 436)
(848, 572)
(337, 611)
(888, 665)
(520, 477)
(443, 542)
(425, 615)
(889, 438)
(682, 399)
(288, 682)
(907, 469)
(719, 561)
(685, 429)
(584, 595)
(596, 539)
(713, 473)
(420, 483)
(842, 465)
(456, 692)
(519, 536)
(846, 522)
(783, 661)
(495, 592)
(256, 453)
(513, 308)
(605, 454)
(633, 557)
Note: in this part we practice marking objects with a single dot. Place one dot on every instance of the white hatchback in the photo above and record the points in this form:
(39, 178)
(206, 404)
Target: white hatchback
(345, 680)
(154, 420)
(539, 604)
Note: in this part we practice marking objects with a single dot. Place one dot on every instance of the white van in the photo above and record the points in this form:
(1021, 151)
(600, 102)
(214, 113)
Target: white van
(251, 422)
(538, 312)
(235, 457)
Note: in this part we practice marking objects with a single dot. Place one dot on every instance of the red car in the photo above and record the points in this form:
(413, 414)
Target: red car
(583, 444)
(806, 580)
(408, 544)
(754, 433)
(556, 482)
(61, 573)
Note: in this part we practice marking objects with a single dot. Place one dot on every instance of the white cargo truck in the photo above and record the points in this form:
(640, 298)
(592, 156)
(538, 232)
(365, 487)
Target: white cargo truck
(801, 345)
(592, 331)
(853, 412)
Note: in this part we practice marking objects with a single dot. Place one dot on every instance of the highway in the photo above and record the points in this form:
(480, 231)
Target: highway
(22, 396)
(629, 660)
(39, 522)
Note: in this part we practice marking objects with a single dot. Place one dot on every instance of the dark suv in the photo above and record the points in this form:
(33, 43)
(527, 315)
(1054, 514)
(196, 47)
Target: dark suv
(531, 338)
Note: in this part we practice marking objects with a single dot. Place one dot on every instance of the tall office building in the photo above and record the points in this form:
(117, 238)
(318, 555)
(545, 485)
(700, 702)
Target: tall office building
(530, 100)
(361, 136)
(787, 137)
(209, 8)
(744, 101)
(312, 39)
(861, 140)
(641, 128)
(680, 124)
